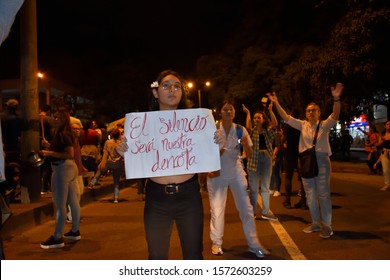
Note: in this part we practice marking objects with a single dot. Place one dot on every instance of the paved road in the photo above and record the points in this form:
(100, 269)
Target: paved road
(115, 231)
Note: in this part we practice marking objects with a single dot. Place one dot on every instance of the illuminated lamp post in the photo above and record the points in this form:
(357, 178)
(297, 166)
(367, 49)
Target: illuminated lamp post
(46, 83)
(191, 85)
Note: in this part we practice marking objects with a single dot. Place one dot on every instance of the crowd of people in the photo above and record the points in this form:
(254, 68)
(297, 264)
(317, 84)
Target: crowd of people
(72, 149)
(260, 149)
(73, 152)
(70, 155)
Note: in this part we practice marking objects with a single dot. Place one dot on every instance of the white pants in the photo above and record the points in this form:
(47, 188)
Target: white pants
(217, 188)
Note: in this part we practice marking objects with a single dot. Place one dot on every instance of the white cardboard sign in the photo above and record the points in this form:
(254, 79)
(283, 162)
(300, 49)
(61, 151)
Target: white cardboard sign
(163, 143)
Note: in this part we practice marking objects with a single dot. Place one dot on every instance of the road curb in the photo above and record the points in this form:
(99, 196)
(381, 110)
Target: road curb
(27, 216)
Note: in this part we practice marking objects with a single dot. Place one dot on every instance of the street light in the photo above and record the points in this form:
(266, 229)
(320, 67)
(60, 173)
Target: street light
(191, 85)
(46, 83)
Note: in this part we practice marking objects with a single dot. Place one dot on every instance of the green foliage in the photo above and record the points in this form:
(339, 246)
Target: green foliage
(354, 50)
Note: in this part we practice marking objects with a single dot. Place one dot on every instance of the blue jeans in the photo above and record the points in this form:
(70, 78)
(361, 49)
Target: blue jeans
(263, 172)
(65, 191)
(318, 192)
(161, 210)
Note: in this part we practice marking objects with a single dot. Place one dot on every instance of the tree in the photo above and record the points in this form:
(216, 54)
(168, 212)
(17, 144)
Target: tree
(343, 41)
(355, 54)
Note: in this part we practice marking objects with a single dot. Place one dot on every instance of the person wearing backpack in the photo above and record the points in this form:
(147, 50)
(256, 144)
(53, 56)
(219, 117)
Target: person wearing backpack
(232, 176)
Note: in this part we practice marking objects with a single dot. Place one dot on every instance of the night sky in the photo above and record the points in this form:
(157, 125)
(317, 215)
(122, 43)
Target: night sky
(78, 38)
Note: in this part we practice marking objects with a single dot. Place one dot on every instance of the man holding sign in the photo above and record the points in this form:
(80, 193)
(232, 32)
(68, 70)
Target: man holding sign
(169, 148)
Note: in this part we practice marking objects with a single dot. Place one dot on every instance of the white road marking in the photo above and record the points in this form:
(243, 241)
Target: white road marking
(288, 243)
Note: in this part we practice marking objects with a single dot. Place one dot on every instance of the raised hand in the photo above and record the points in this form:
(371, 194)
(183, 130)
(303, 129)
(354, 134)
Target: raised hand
(245, 109)
(337, 90)
(272, 96)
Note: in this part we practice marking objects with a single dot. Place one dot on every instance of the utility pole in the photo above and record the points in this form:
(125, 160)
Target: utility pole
(29, 99)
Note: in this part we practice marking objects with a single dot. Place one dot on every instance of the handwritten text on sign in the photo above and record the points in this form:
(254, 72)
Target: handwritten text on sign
(164, 143)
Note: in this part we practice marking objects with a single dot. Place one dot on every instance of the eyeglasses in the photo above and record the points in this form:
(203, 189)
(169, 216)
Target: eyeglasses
(311, 110)
(168, 86)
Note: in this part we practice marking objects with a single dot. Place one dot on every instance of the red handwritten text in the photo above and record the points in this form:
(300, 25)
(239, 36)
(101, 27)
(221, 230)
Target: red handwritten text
(143, 147)
(181, 142)
(137, 127)
(172, 162)
(184, 124)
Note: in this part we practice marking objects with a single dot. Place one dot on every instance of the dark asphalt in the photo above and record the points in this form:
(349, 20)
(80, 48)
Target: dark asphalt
(115, 232)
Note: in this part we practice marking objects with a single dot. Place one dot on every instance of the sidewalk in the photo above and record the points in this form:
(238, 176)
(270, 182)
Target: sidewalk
(349, 167)
(28, 215)
(357, 163)
(25, 216)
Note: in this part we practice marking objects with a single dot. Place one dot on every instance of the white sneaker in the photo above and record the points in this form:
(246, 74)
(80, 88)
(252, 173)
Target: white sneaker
(93, 181)
(276, 193)
(216, 250)
(271, 192)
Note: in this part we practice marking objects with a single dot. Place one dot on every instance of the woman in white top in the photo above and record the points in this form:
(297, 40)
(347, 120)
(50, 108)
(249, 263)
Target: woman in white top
(232, 176)
(317, 188)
